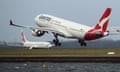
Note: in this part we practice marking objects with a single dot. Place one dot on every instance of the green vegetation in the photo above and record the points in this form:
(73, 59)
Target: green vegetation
(83, 51)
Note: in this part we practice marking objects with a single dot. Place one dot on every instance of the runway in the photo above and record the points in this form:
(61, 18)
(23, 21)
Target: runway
(61, 55)
(59, 58)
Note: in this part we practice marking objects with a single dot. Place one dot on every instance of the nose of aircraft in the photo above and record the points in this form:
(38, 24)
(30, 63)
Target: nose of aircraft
(36, 19)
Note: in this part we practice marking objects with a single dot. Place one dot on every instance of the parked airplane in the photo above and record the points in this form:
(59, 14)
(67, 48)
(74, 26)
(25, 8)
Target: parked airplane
(69, 29)
(31, 45)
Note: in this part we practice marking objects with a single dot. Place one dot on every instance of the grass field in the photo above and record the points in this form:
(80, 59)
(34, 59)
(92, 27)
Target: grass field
(83, 51)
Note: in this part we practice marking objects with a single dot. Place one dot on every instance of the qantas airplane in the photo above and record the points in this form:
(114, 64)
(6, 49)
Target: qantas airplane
(31, 45)
(68, 29)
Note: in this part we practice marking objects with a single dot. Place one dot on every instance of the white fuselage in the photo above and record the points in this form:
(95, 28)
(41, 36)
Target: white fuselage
(66, 28)
(37, 44)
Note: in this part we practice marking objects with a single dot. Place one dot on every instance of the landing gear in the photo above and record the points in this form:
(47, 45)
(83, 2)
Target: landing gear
(82, 43)
(56, 40)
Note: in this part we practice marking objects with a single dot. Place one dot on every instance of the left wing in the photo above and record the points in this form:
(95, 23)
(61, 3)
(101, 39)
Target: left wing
(45, 29)
(21, 26)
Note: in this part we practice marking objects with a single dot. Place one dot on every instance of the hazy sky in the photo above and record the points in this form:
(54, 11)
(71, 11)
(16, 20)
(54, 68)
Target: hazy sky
(23, 12)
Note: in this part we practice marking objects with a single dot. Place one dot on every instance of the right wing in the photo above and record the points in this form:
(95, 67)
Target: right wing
(113, 30)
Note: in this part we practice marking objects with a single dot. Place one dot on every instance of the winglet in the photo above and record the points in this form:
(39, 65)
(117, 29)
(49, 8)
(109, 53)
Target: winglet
(11, 22)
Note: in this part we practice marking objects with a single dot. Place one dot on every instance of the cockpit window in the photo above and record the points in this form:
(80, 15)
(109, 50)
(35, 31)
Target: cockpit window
(45, 18)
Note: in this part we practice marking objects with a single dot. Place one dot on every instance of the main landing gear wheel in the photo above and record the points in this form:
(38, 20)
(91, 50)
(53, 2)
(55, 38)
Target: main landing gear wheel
(82, 43)
(56, 40)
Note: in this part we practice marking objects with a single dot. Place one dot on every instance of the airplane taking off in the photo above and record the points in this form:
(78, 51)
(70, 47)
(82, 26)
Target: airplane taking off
(31, 45)
(69, 29)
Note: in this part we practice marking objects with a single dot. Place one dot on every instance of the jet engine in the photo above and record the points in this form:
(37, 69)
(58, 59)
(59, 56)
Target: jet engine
(38, 33)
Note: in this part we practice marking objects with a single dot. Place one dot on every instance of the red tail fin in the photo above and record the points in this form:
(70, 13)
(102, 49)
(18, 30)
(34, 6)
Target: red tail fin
(23, 38)
(103, 22)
